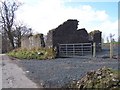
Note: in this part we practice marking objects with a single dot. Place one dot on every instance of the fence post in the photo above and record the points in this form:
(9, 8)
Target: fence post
(111, 50)
(66, 50)
(94, 49)
(82, 48)
(73, 49)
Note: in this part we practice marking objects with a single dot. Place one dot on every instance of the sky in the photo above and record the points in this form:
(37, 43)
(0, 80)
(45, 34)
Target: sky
(44, 15)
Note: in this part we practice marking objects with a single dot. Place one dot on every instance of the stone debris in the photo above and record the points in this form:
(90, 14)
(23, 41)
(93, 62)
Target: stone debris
(27, 71)
(116, 57)
(102, 78)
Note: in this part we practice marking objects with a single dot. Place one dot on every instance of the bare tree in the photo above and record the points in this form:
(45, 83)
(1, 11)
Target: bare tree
(20, 31)
(111, 37)
(107, 40)
(7, 15)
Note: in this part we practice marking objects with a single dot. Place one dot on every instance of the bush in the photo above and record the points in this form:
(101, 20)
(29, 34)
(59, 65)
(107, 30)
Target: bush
(34, 53)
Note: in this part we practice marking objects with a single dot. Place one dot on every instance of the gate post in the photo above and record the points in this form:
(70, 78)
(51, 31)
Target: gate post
(82, 48)
(111, 50)
(94, 49)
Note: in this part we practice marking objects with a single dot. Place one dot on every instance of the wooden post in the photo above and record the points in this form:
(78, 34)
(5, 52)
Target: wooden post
(94, 49)
(111, 50)
(59, 49)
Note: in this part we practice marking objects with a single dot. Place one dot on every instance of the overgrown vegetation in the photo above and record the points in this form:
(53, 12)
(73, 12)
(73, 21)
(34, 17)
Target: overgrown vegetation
(35, 53)
(104, 78)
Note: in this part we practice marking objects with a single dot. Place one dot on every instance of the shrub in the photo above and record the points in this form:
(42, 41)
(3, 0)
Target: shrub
(34, 53)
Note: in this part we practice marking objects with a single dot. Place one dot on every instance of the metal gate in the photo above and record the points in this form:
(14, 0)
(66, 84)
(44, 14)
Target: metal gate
(79, 49)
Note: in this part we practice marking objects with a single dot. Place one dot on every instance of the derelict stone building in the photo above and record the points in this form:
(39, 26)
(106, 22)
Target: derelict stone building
(95, 36)
(34, 41)
(67, 33)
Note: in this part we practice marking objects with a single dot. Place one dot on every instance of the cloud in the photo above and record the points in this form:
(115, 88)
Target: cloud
(48, 14)
(91, 0)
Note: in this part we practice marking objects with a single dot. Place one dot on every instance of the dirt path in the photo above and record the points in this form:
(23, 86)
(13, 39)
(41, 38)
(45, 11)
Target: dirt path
(13, 76)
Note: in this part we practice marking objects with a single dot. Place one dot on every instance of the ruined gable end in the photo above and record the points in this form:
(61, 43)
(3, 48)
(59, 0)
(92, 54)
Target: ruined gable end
(34, 41)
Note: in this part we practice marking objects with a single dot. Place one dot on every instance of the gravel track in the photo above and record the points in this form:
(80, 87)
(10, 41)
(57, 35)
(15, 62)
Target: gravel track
(58, 72)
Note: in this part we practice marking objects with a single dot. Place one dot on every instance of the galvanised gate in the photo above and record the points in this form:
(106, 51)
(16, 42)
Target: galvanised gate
(78, 49)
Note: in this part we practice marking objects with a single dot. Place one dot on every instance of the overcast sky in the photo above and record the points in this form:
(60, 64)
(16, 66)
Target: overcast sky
(44, 15)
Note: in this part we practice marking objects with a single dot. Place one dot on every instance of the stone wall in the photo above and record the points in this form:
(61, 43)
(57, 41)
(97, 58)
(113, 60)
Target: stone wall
(67, 33)
(64, 34)
(95, 36)
(34, 41)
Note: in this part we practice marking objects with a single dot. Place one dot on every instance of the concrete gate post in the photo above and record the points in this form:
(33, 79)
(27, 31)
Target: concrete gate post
(94, 49)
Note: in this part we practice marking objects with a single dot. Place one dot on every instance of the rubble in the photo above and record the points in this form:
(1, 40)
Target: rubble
(102, 78)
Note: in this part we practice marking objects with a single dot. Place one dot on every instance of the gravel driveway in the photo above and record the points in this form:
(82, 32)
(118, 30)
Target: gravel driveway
(56, 73)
